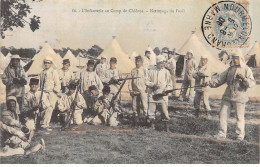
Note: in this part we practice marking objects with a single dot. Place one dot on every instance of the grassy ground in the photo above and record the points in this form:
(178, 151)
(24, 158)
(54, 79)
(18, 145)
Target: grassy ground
(114, 145)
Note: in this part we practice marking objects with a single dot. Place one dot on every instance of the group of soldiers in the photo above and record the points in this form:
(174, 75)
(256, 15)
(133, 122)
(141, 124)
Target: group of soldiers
(93, 94)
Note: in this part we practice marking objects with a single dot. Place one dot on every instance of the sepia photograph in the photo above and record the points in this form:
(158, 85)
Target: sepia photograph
(129, 82)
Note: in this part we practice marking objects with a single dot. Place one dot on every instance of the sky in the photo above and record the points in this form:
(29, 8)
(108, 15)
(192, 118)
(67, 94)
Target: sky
(63, 28)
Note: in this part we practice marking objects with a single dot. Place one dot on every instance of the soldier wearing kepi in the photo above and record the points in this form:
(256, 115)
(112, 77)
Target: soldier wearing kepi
(171, 66)
(15, 79)
(106, 112)
(66, 75)
(239, 78)
(138, 88)
(112, 75)
(37, 108)
(101, 68)
(88, 78)
(65, 104)
(202, 76)
(188, 81)
(50, 83)
(159, 81)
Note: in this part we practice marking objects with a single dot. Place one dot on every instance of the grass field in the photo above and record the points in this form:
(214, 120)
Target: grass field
(187, 142)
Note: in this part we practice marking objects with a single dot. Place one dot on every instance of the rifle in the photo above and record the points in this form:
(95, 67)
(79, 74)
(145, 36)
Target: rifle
(115, 96)
(116, 81)
(160, 95)
(40, 104)
(72, 108)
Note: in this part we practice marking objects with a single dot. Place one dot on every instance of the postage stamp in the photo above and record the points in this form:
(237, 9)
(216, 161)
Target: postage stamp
(227, 24)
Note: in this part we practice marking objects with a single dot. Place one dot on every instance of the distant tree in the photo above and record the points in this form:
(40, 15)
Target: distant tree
(165, 49)
(157, 51)
(13, 14)
(95, 51)
(4, 50)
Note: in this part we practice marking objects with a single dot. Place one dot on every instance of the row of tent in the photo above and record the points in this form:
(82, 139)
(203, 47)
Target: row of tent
(126, 63)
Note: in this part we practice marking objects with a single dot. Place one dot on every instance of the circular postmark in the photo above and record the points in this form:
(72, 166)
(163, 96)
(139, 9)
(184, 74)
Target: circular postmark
(227, 24)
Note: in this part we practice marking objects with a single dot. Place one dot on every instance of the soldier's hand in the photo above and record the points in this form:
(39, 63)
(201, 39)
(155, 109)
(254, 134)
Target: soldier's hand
(239, 76)
(16, 81)
(35, 108)
(23, 81)
(132, 94)
(155, 87)
(24, 139)
(164, 93)
(204, 84)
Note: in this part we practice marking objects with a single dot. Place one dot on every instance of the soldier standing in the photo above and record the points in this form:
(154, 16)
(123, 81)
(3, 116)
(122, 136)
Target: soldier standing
(101, 68)
(50, 83)
(34, 106)
(138, 88)
(15, 79)
(239, 78)
(66, 75)
(159, 81)
(147, 62)
(202, 76)
(112, 75)
(171, 66)
(188, 80)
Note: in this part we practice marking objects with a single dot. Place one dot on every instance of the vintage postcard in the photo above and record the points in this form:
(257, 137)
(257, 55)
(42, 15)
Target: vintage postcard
(129, 82)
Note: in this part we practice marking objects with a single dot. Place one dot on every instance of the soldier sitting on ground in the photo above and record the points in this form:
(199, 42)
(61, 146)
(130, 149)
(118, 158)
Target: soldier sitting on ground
(106, 112)
(14, 132)
(65, 105)
(36, 107)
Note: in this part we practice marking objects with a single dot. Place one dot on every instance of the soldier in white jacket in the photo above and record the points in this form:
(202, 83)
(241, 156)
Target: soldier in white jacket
(65, 104)
(50, 81)
(101, 68)
(189, 68)
(33, 106)
(202, 76)
(171, 66)
(138, 88)
(239, 78)
(112, 75)
(15, 79)
(88, 77)
(147, 62)
(66, 75)
(159, 81)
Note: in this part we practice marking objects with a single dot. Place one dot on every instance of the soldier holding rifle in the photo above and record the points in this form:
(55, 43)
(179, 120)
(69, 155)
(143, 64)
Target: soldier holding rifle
(15, 79)
(159, 81)
(37, 107)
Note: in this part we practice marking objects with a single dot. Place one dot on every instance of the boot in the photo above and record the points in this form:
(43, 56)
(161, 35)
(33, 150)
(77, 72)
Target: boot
(197, 111)
(40, 146)
(134, 120)
(165, 125)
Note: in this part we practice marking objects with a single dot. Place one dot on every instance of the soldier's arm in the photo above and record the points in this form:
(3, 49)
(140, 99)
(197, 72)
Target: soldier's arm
(8, 120)
(99, 84)
(130, 88)
(6, 80)
(81, 102)
(168, 81)
(249, 79)
(61, 104)
(57, 85)
(10, 130)
(214, 83)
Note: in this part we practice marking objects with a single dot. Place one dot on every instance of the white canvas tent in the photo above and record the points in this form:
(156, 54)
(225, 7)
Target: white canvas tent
(46, 51)
(3, 62)
(193, 43)
(73, 60)
(133, 55)
(81, 60)
(253, 56)
(113, 49)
